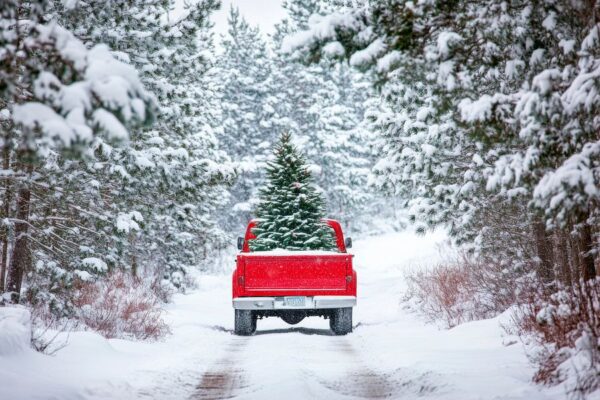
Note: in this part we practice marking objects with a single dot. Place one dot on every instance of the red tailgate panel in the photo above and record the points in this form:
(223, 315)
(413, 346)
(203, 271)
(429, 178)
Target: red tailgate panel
(295, 275)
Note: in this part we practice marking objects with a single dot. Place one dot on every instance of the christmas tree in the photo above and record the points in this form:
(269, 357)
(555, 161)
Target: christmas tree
(290, 208)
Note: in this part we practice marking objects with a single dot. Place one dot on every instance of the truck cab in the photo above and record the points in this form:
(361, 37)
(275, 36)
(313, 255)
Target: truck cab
(294, 285)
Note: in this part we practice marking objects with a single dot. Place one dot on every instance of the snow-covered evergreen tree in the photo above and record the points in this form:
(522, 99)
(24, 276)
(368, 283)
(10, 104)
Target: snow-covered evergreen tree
(56, 106)
(485, 107)
(324, 108)
(489, 119)
(189, 163)
(290, 209)
(172, 174)
(97, 188)
(250, 125)
(341, 148)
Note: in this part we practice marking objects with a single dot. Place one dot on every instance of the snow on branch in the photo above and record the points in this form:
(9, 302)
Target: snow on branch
(33, 114)
(324, 31)
(369, 54)
(481, 109)
(95, 93)
(574, 184)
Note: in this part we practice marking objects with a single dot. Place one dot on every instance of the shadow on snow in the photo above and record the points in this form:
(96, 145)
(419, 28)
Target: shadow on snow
(304, 331)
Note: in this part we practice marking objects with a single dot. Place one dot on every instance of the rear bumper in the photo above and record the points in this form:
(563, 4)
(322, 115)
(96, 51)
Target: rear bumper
(277, 303)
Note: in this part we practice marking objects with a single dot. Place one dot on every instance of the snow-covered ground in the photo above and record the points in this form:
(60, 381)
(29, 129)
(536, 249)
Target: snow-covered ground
(391, 354)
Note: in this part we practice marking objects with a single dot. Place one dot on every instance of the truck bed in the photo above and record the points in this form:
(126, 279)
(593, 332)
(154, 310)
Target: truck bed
(299, 274)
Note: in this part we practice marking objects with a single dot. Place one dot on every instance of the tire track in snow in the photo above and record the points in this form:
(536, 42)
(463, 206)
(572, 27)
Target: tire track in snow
(303, 363)
(360, 380)
(225, 379)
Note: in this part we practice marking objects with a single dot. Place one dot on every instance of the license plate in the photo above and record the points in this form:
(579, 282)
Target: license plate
(296, 301)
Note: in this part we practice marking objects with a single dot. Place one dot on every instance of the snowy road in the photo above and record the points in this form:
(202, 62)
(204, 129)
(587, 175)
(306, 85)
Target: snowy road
(391, 354)
(307, 361)
(329, 363)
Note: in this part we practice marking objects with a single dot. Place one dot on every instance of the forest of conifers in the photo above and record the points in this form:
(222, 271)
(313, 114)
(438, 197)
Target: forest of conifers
(135, 140)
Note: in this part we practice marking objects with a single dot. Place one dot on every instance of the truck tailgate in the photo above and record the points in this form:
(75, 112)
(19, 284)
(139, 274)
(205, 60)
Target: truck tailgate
(295, 274)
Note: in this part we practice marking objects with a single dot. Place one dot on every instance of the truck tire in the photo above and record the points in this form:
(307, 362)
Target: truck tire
(245, 323)
(340, 321)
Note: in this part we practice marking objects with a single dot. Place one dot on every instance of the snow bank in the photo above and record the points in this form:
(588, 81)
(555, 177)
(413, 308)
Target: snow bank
(15, 330)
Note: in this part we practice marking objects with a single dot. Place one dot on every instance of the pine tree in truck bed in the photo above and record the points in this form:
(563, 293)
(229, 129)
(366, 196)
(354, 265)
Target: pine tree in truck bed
(290, 208)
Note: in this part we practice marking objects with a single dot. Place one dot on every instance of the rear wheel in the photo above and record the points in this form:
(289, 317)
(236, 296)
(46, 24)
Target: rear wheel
(245, 322)
(340, 320)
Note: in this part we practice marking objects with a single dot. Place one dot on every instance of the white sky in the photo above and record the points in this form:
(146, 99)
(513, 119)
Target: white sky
(264, 13)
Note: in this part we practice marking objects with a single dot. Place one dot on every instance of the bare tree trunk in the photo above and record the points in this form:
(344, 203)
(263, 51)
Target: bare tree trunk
(3, 261)
(596, 243)
(575, 259)
(544, 251)
(6, 214)
(21, 257)
(587, 256)
(562, 240)
(134, 262)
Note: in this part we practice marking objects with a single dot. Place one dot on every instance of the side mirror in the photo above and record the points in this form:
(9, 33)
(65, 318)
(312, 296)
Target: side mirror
(348, 243)
(240, 243)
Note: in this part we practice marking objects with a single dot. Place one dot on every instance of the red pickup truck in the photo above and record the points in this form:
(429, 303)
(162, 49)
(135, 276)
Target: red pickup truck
(293, 285)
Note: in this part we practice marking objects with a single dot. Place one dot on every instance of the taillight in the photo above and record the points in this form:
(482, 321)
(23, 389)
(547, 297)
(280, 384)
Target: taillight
(241, 280)
(349, 278)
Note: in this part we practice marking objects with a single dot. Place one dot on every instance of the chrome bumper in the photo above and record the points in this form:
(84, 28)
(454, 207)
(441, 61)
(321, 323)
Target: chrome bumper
(277, 303)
